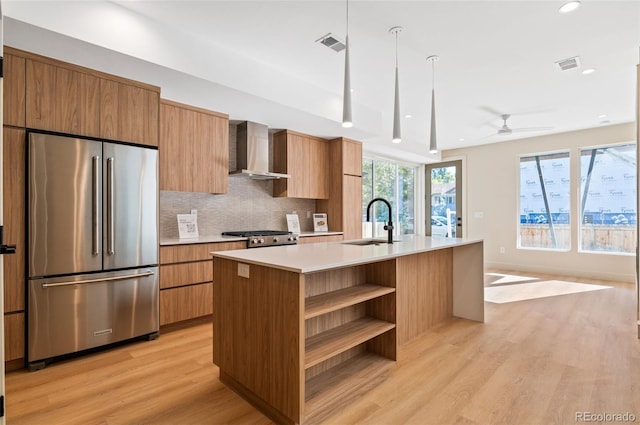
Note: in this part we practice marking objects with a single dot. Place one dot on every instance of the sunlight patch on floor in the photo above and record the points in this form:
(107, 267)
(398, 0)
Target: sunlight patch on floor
(533, 290)
(501, 278)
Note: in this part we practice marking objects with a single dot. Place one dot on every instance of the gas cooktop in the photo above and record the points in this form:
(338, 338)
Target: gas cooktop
(264, 238)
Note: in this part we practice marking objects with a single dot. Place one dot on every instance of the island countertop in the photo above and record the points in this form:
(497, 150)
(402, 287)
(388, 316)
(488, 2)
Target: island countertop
(324, 256)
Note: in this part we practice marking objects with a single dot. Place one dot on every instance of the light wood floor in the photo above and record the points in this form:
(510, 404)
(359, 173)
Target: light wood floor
(533, 362)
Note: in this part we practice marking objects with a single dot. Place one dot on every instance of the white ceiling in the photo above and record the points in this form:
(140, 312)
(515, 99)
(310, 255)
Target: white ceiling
(259, 60)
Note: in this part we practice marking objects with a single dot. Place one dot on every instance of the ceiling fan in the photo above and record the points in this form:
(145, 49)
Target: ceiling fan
(506, 130)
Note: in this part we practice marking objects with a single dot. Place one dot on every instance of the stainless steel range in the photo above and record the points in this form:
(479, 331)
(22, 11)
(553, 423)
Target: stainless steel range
(264, 238)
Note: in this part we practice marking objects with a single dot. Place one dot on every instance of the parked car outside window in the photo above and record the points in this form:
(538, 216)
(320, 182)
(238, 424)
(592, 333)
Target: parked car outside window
(439, 226)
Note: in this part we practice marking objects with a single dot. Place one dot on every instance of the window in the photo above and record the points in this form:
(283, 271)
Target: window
(545, 202)
(394, 182)
(608, 199)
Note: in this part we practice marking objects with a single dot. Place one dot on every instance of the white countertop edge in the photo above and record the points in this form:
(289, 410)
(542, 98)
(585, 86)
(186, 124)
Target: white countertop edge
(220, 238)
(201, 239)
(350, 255)
(311, 234)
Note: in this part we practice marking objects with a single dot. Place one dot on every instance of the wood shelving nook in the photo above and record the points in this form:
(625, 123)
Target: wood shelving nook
(325, 345)
(342, 384)
(336, 300)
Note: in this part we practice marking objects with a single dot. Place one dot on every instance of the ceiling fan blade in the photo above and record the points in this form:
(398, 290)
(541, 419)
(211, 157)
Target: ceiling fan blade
(490, 110)
(525, 129)
(488, 136)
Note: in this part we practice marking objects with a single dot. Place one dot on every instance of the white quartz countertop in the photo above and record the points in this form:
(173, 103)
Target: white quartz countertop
(220, 238)
(315, 257)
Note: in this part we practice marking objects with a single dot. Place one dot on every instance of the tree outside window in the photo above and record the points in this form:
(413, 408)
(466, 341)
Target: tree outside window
(395, 183)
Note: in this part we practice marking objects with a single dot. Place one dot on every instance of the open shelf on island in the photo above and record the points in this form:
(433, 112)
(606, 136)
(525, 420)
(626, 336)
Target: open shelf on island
(335, 300)
(335, 388)
(325, 345)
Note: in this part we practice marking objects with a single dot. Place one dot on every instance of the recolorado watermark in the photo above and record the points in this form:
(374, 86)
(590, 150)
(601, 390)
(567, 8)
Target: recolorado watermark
(604, 417)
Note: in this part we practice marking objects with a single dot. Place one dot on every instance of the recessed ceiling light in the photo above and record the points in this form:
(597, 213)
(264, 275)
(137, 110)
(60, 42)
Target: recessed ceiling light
(460, 140)
(605, 122)
(602, 116)
(588, 71)
(408, 116)
(569, 6)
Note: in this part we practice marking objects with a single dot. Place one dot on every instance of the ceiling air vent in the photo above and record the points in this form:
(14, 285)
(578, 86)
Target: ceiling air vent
(332, 41)
(570, 63)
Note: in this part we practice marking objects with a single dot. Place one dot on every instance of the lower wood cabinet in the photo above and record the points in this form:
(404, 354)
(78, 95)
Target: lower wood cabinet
(14, 341)
(185, 302)
(186, 279)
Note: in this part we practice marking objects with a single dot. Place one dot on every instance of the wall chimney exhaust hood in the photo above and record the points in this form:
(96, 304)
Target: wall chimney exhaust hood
(253, 153)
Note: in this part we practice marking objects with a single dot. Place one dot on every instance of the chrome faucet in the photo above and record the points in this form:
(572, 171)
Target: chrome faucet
(389, 226)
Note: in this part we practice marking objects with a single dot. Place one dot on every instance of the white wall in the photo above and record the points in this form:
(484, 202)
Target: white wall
(492, 188)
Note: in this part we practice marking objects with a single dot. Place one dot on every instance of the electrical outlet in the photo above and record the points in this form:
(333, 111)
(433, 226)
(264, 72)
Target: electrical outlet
(194, 212)
(243, 270)
(308, 214)
(501, 250)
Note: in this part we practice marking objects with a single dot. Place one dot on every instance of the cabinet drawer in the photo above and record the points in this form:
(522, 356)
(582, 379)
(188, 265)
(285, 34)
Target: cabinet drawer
(194, 252)
(186, 274)
(14, 336)
(185, 303)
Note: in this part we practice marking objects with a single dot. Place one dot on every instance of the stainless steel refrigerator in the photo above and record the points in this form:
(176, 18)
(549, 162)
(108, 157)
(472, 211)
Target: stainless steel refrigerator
(92, 245)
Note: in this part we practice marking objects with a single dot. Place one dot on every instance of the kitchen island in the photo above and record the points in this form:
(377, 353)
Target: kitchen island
(301, 330)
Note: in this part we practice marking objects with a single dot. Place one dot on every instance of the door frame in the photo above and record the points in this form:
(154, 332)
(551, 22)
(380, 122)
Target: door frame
(461, 194)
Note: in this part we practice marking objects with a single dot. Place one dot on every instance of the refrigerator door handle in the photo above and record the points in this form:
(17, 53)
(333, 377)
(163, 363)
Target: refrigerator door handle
(110, 209)
(96, 205)
(106, 279)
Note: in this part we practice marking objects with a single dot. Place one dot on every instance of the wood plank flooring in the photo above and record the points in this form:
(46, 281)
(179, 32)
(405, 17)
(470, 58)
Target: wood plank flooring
(537, 361)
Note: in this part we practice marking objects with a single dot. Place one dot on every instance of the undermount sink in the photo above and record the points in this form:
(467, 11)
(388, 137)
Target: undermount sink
(368, 242)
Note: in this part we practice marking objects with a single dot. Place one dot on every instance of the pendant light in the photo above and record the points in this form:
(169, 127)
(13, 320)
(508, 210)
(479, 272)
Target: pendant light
(397, 133)
(347, 120)
(433, 146)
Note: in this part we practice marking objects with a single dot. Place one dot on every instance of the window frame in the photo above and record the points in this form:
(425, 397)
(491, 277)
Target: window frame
(396, 202)
(580, 213)
(519, 245)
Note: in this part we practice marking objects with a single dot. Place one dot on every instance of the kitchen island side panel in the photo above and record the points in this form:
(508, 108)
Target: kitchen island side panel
(424, 292)
(259, 335)
(468, 281)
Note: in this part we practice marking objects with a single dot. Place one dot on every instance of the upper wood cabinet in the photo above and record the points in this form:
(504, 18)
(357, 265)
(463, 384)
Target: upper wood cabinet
(128, 113)
(71, 99)
(62, 100)
(306, 159)
(194, 149)
(351, 157)
(14, 90)
(344, 206)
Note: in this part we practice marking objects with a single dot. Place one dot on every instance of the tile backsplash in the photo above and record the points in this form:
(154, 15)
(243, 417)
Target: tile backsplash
(248, 205)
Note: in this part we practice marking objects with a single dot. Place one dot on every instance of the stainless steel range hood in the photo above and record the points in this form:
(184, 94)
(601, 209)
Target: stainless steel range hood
(253, 153)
